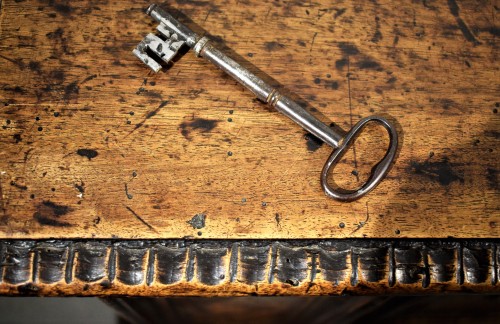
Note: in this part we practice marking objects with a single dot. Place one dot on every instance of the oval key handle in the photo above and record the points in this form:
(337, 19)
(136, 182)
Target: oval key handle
(378, 171)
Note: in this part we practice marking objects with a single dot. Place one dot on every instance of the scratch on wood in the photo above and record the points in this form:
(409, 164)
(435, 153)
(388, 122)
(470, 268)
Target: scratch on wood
(455, 11)
(208, 14)
(312, 42)
(129, 196)
(363, 223)
(18, 63)
(148, 116)
(278, 219)
(350, 114)
(140, 219)
(1, 15)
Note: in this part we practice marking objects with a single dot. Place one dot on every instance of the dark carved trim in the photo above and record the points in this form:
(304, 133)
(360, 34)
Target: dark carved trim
(225, 267)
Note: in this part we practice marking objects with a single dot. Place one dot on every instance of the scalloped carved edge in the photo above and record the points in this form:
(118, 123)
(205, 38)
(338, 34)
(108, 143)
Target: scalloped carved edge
(247, 267)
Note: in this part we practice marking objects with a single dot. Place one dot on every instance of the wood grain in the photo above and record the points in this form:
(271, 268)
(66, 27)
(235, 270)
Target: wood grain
(95, 146)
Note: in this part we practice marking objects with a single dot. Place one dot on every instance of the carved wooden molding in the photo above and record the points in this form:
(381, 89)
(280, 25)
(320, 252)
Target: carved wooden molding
(258, 267)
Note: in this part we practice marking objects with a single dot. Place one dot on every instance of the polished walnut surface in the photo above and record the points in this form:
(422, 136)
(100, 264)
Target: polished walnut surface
(93, 145)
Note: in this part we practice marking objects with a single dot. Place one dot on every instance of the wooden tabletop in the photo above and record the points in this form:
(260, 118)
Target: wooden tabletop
(95, 146)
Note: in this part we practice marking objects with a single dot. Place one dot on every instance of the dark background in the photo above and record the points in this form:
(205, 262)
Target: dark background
(374, 309)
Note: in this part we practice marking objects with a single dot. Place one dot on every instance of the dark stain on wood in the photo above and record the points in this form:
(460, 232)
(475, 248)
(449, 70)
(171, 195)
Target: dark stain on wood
(313, 143)
(339, 12)
(198, 221)
(492, 177)
(149, 93)
(348, 48)
(18, 186)
(80, 187)
(340, 64)
(17, 138)
(34, 66)
(378, 34)
(15, 89)
(273, 46)
(455, 11)
(63, 8)
(56, 34)
(71, 91)
(369, 64)
(440, 171)
(90, 77)
(330, 84)
(48, 213)
(88, 153)
(199, 124)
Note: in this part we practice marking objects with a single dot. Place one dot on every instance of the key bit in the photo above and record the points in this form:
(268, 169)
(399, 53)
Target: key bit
(163, 49)
(176, 35)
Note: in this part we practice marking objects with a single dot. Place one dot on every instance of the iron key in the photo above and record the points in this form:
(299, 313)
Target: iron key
(174, 35)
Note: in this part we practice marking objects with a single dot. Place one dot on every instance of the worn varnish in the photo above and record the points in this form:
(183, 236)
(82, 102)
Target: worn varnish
(93, 145)
(298, 267)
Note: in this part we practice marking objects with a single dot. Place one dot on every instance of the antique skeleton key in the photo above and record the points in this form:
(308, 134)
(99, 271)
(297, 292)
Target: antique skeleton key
(174, 35)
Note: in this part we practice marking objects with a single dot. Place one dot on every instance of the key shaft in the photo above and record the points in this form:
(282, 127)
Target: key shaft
(264, 91)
